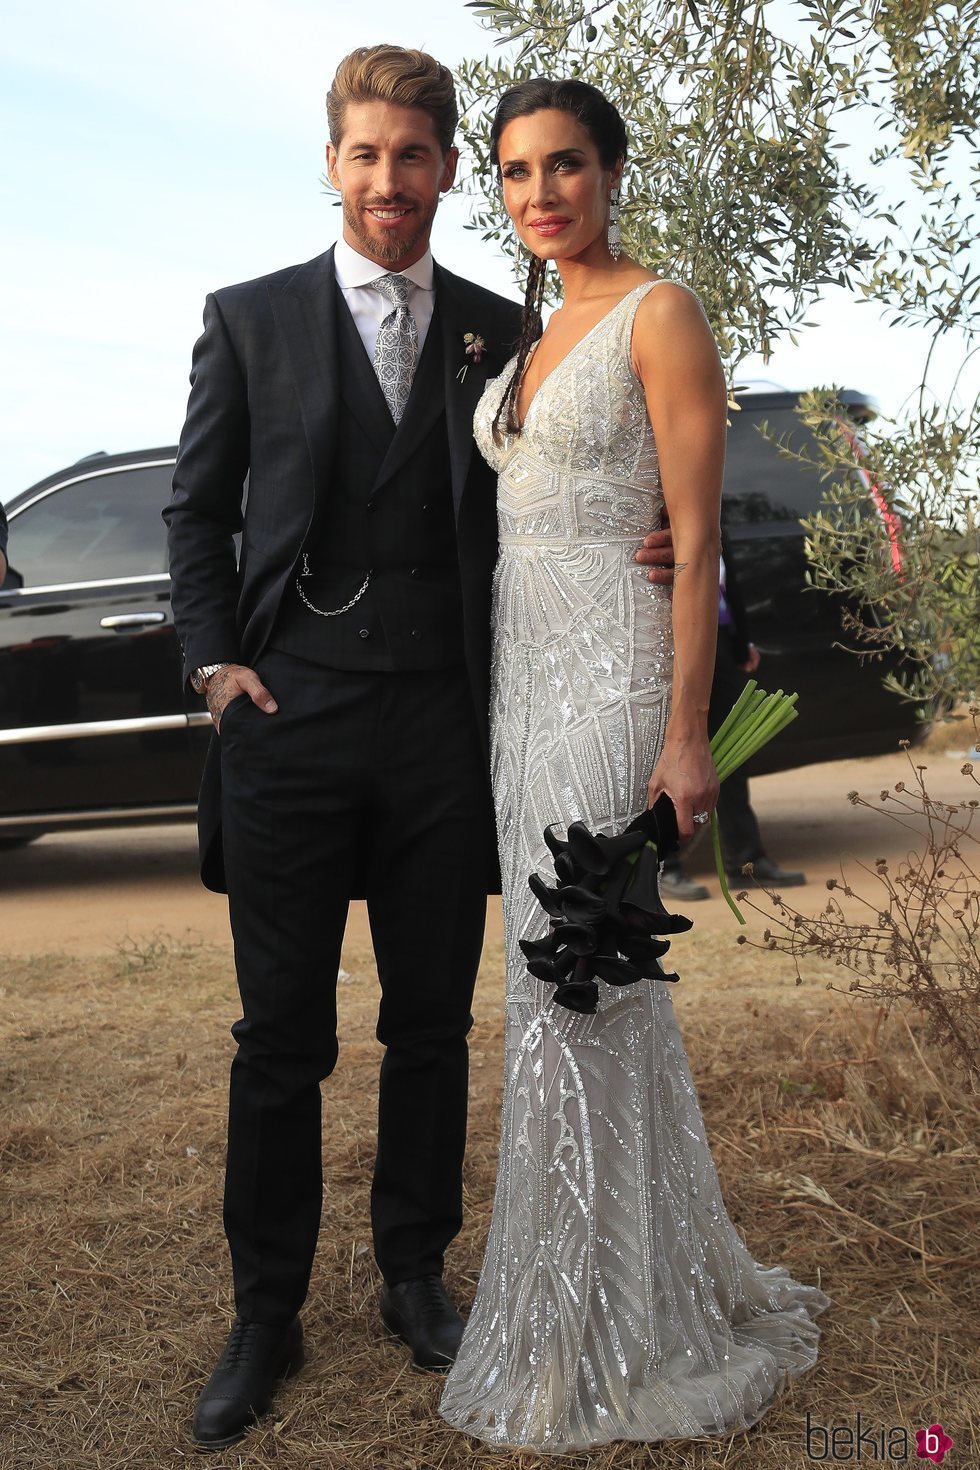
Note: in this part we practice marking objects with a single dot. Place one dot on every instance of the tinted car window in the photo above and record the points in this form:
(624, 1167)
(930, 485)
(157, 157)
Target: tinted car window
(760, 484)
(106, 526)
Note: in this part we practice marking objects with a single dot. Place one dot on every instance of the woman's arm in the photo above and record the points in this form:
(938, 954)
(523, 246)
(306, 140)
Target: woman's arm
(676, 360)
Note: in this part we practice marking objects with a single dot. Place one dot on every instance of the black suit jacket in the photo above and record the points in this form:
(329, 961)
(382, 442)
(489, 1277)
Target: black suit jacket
(265, 399)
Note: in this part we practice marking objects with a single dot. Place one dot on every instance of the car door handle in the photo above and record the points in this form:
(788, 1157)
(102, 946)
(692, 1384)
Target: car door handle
(120, 621)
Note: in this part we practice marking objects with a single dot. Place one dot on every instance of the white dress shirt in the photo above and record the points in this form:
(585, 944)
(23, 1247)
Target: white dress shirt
(368, 307)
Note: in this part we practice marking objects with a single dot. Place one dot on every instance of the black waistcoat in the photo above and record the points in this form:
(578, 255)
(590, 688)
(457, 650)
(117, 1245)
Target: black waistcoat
(400, 525)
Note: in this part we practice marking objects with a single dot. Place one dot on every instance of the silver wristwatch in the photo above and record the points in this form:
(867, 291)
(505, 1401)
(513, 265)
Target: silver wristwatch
(200, 677)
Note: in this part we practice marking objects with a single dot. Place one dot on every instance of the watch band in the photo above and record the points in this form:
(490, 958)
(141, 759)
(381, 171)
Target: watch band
(200, 676)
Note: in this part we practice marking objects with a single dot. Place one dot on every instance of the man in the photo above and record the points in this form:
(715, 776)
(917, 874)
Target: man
(736, 660)
(346, 666)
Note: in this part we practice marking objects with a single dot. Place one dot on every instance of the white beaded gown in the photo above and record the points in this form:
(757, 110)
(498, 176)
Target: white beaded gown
(617, 1301)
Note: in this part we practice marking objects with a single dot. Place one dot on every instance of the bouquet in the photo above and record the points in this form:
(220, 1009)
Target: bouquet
(607, 916)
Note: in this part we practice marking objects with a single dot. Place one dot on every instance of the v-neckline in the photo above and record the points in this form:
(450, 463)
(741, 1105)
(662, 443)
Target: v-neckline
(574, 348)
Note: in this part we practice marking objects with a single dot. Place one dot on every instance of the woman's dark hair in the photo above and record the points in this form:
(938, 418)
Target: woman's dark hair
(606, 129)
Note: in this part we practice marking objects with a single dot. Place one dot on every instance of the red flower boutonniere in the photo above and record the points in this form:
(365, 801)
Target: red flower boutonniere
(475, 348)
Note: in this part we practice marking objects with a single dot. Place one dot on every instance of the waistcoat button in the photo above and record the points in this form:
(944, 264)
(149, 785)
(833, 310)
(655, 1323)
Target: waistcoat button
(364, 633)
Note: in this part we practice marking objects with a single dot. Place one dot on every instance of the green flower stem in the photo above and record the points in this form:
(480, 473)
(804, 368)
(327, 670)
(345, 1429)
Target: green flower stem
(734, 714)
(774, 719)
(720, 869)
(731, 733)
(747, 727)
(751, 723)
(777, 714)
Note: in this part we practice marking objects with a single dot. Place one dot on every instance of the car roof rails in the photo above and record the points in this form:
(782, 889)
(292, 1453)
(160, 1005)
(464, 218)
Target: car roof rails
(861, 407)
(761, 385)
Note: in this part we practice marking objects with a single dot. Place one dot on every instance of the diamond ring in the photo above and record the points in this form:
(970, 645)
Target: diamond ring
(701, 817)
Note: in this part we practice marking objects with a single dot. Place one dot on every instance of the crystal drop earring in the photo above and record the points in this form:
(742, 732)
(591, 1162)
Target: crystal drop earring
(615, 241)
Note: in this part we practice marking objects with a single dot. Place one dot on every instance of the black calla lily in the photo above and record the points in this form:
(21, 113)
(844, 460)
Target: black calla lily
(599, 854)
(614, 970)
(581, 938)
(580, 906)
(642, 947)
(659, 822)
(642, 903)
(547, 897)
(606, 910)
(578, 995)
(540, 949)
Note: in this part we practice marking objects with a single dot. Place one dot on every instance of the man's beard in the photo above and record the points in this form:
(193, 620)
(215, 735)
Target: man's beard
(386, 246)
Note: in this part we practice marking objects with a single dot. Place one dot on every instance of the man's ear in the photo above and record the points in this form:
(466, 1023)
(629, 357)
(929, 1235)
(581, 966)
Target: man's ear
(332, 173)
(449, 170)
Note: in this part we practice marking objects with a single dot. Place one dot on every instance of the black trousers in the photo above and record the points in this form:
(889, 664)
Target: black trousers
(360, 778)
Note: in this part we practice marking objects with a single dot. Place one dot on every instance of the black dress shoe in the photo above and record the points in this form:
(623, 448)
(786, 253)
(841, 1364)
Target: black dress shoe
(421, 1314)
(257, 1357)
(764, 870)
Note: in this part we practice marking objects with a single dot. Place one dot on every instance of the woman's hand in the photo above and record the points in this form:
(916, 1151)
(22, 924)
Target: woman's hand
(687, 773)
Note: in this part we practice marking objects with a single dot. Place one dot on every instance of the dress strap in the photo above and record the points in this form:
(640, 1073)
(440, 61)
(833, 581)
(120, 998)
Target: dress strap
(634, 297)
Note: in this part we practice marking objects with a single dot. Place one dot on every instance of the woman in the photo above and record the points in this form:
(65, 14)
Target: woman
(617, 1300)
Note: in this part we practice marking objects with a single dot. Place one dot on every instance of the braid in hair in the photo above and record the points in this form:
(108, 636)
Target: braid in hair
(531, 328)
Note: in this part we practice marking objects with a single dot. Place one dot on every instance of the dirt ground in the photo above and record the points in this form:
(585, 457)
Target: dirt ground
(84, 892)
(846, 1147)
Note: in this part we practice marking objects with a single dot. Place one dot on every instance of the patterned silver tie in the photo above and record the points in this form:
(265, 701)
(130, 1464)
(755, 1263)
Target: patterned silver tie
(397, 345)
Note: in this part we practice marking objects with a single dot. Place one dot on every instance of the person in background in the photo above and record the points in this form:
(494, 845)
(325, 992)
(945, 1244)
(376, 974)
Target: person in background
(736, 660)
(3, 544)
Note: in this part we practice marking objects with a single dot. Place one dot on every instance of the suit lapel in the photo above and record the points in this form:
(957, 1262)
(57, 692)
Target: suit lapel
(304, 309)
(461, 396)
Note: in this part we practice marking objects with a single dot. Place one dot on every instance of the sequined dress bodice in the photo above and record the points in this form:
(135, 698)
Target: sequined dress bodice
(616, 1299)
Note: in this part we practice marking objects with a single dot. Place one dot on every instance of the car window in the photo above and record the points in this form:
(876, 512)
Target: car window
(760, 484)
(107, 526)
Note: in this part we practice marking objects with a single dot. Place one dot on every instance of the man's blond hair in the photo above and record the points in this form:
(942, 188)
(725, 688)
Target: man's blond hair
(392, 74)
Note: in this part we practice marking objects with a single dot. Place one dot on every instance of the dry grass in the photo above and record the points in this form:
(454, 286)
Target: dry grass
(846, 1152)
(956, 734)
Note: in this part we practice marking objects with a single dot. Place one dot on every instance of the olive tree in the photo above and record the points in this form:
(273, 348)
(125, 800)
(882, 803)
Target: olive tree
(751, 180)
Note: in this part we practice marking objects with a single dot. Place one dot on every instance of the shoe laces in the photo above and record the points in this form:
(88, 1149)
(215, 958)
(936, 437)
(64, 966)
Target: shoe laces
(431, 1296)
(241, 1342)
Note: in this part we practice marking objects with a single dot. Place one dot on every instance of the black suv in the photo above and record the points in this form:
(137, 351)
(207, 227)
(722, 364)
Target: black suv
(95, 727)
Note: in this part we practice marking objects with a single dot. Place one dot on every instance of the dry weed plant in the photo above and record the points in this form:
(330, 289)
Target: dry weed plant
(920, 941)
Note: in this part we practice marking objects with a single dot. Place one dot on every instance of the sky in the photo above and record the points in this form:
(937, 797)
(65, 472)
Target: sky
(154, 153)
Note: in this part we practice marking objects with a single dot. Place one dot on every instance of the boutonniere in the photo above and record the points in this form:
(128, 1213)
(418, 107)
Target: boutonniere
(475, 348)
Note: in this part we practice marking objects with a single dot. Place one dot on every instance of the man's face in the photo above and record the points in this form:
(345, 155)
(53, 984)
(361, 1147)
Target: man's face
(390, 171)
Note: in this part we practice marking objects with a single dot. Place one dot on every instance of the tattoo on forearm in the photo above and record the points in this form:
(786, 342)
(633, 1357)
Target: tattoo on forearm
(216, 693)
(679, 566)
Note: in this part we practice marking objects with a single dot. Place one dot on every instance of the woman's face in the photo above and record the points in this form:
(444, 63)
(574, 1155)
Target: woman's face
(555, 188)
